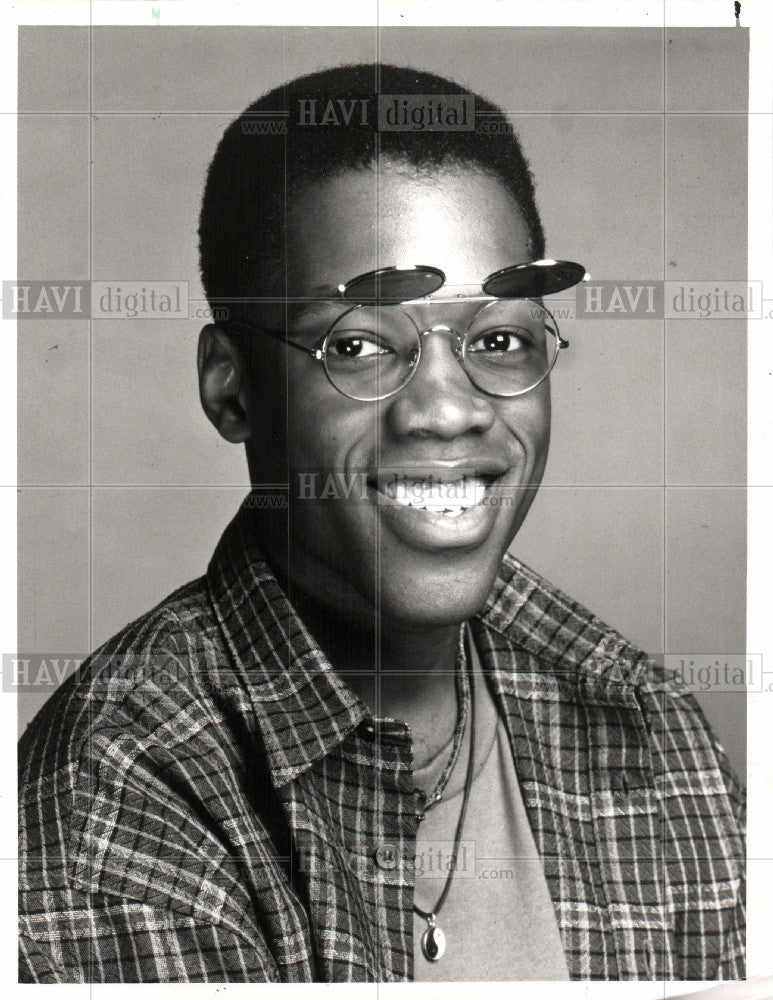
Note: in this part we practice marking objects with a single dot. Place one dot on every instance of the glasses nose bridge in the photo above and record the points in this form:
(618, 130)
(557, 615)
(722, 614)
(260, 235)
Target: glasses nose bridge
(446, 315)
(456, 338)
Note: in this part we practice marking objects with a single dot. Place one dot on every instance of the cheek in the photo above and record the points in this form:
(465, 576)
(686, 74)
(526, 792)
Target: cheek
(528, 421)
(267, 409)
(286, 405)
(323, 426)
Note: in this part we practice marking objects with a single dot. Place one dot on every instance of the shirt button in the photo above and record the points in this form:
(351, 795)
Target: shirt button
(386, 856)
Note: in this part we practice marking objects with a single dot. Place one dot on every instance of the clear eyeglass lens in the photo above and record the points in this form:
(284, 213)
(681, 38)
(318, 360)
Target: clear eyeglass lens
(371, 352)
(510, 346)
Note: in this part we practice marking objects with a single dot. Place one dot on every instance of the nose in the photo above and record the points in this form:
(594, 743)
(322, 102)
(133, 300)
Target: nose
(440, 400)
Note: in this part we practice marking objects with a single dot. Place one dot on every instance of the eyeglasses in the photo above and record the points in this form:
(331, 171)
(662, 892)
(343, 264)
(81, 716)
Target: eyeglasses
(373, 349)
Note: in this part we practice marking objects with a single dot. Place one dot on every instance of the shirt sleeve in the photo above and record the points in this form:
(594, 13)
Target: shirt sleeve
(35, 965)
(120, 941)
(732, 959)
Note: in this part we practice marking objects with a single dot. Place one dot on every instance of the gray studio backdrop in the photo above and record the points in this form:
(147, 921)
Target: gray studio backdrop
(638, 143)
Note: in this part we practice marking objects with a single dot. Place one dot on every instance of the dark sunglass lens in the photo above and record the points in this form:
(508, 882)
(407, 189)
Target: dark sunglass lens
(542, 277)
(393, 284)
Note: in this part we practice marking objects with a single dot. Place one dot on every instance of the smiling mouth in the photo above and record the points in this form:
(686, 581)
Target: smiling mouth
(451, 497)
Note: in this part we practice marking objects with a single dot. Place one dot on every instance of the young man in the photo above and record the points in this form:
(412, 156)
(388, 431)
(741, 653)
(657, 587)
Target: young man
(303, 766)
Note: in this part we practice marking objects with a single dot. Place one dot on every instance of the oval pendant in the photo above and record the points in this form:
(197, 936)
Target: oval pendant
(433, 943)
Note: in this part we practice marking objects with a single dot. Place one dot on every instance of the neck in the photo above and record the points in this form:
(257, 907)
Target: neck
(400, 671)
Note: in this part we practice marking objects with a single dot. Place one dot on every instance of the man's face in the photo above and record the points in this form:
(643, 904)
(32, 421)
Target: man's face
(415, 566)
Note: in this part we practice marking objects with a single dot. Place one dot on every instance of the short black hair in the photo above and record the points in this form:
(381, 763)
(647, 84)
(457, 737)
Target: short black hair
(281, 143)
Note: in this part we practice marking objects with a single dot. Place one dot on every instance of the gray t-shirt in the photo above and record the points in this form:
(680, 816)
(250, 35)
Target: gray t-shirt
(498, 918)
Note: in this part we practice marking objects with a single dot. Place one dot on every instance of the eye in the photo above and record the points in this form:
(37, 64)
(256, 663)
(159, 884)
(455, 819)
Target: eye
(501, 341)
(354, 344)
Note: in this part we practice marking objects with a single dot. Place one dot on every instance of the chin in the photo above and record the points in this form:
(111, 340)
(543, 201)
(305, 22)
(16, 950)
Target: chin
(434, 606)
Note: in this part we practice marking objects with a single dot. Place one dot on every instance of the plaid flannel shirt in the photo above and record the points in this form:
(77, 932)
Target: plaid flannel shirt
(205, 799)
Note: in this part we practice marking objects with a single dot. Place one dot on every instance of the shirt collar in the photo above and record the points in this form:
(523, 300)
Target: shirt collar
(564, 636)
(304, 708)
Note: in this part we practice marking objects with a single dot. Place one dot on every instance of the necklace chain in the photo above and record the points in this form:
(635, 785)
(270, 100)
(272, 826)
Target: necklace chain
(433, 944)
(463, 699)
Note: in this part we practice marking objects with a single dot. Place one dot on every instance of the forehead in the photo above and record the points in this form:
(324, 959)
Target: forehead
(458, 219)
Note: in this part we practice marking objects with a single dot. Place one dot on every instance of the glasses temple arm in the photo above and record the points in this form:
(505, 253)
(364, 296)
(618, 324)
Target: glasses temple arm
(278, 335)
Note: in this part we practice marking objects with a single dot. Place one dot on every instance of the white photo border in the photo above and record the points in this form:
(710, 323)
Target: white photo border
(758, 18)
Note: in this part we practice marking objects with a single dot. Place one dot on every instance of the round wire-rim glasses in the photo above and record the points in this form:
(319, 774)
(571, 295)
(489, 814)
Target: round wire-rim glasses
(518, 350)
(379, 344)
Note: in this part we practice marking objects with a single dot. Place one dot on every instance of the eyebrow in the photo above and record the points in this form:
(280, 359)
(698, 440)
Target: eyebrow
(321, 296)
(302, 309)
(318, 297)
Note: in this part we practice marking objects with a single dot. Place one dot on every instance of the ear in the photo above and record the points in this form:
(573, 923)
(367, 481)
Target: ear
(222, 384)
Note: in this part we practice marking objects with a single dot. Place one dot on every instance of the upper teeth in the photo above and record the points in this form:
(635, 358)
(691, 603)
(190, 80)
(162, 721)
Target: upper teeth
(450, 498)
